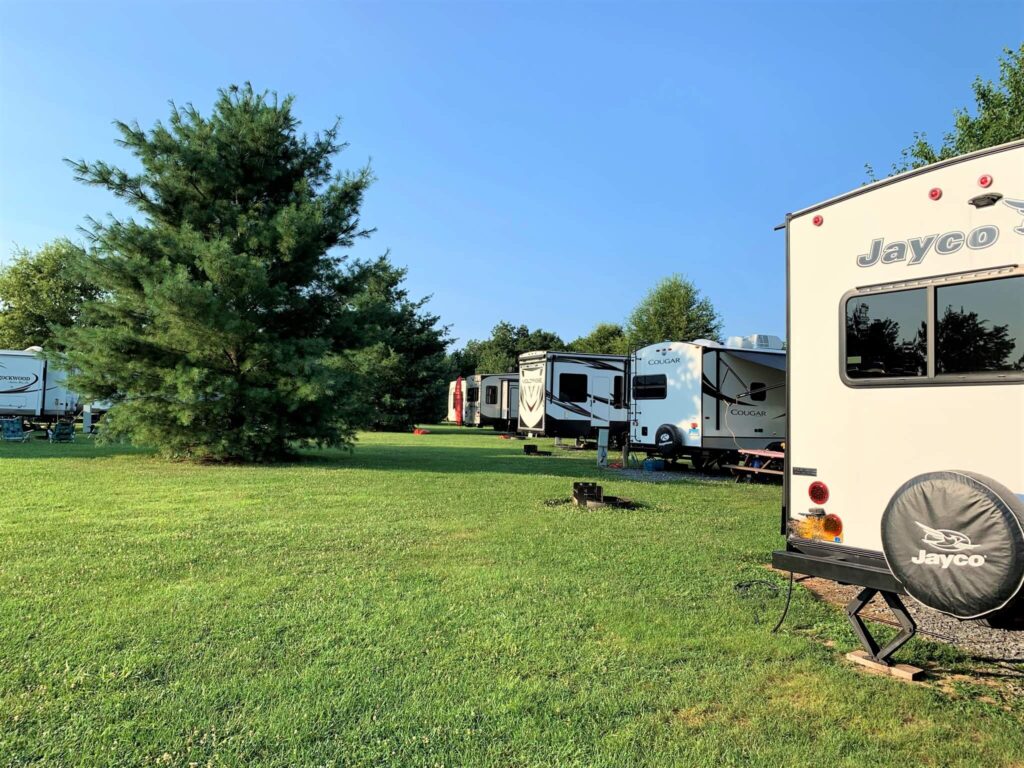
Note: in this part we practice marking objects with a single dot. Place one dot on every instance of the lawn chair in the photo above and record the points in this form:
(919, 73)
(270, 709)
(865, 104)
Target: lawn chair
(62, 432)
(14, 431)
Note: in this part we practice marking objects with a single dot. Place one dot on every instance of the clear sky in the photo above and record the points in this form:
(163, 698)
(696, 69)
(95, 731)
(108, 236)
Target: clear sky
(543, 163)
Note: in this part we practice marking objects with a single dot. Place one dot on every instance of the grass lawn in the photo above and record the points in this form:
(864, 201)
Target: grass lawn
(416, 603)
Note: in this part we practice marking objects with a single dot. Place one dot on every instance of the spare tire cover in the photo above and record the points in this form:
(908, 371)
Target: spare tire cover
(956, 542)
(668, 440)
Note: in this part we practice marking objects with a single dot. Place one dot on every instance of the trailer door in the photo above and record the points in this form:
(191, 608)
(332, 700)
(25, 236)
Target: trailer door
(512, 401)
(600, 400)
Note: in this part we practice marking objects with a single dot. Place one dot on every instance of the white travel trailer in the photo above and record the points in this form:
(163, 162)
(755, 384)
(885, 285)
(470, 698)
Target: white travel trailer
(572, 394)
(499, 401)
(487, 400)
(703, 401)
(905, 449)
(32, 387)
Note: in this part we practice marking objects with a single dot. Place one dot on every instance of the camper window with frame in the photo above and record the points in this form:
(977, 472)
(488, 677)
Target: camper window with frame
(758, 391)
(491, 395)
(945, 332)
(886, 335)
(473, 395)
(618, 399)
(653, 387)
(572, 387)
(979, 326)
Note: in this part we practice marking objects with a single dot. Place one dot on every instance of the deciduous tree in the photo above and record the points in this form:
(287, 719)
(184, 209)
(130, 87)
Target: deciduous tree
(674, 310)
(42, 291)
(998, 118)
(606, 339)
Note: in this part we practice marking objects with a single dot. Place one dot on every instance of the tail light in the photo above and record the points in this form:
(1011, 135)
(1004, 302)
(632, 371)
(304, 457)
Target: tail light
(818, 492)
(832, 527)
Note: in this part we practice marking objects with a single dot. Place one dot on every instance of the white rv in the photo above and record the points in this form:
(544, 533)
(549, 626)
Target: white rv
(572, 394)
(703, 401)
(486, 400)
(499, 401)
(32, 387)
(905, 449)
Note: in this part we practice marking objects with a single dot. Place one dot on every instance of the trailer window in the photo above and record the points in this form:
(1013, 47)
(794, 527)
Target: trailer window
(650, 387)
(886, 335)
(617, 398)
(758, 391)
(473, 395)
(572, 387)
(979, 327)
(491, 395)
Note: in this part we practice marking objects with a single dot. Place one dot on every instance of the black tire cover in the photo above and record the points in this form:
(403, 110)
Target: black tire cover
(956, 542)
(668, 440)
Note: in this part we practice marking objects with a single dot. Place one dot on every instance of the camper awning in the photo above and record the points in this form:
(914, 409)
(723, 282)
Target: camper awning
(767, 359)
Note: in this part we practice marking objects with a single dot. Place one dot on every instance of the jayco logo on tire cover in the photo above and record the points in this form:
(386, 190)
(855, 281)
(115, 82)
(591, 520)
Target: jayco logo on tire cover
(951, 544)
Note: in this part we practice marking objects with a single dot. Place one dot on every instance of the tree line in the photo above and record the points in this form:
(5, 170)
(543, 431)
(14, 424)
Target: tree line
(673, 309)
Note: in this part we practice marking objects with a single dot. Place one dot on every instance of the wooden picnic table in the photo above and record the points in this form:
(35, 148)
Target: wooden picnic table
(759, 463)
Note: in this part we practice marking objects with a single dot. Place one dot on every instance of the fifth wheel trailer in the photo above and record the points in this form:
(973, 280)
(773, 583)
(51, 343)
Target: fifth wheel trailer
(703, 400)
(572, 394)
(905, 380)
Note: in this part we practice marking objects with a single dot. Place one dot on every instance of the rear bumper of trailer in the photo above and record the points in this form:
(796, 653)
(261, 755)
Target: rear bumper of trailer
(863, 570)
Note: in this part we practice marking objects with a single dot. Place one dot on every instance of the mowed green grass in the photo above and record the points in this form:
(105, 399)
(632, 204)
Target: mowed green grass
(417, 603)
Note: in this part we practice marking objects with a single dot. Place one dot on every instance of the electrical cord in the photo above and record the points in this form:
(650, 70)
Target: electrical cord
(744, 588)
(785, 610)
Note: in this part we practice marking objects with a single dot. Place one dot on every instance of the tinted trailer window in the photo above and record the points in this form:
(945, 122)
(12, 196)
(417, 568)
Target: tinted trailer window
(886, 335)
(979, 327)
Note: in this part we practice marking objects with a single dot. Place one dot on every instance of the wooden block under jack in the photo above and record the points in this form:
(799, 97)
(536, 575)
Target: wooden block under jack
(902, 671)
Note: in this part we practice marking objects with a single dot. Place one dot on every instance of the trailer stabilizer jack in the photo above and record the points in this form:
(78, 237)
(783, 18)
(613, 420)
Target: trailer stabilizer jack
(907, 631)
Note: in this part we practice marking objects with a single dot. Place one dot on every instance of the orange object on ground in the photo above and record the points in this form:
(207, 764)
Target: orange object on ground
(419, 431)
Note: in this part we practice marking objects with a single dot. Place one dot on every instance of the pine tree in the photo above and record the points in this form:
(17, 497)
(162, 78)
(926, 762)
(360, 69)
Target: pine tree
(404, 368)
(224, 317)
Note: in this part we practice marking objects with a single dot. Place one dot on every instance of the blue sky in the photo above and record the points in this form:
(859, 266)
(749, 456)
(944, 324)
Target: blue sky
(543, 163)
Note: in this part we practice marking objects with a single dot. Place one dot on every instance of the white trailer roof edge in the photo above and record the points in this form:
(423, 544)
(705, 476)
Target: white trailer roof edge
(905, 176)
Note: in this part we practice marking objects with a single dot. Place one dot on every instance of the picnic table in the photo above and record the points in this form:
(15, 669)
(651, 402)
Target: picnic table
(758, 464)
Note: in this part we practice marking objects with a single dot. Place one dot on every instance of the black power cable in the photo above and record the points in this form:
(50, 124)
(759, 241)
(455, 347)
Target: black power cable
(743, 588)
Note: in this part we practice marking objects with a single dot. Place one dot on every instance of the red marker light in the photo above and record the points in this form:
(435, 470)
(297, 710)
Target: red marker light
(818, 220)
(818, 492)
(935, 193)
(985, 181)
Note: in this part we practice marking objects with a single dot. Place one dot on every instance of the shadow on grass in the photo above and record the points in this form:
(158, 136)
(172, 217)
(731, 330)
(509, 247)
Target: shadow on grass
(446, 459)
(387, 457)
(80, 449)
